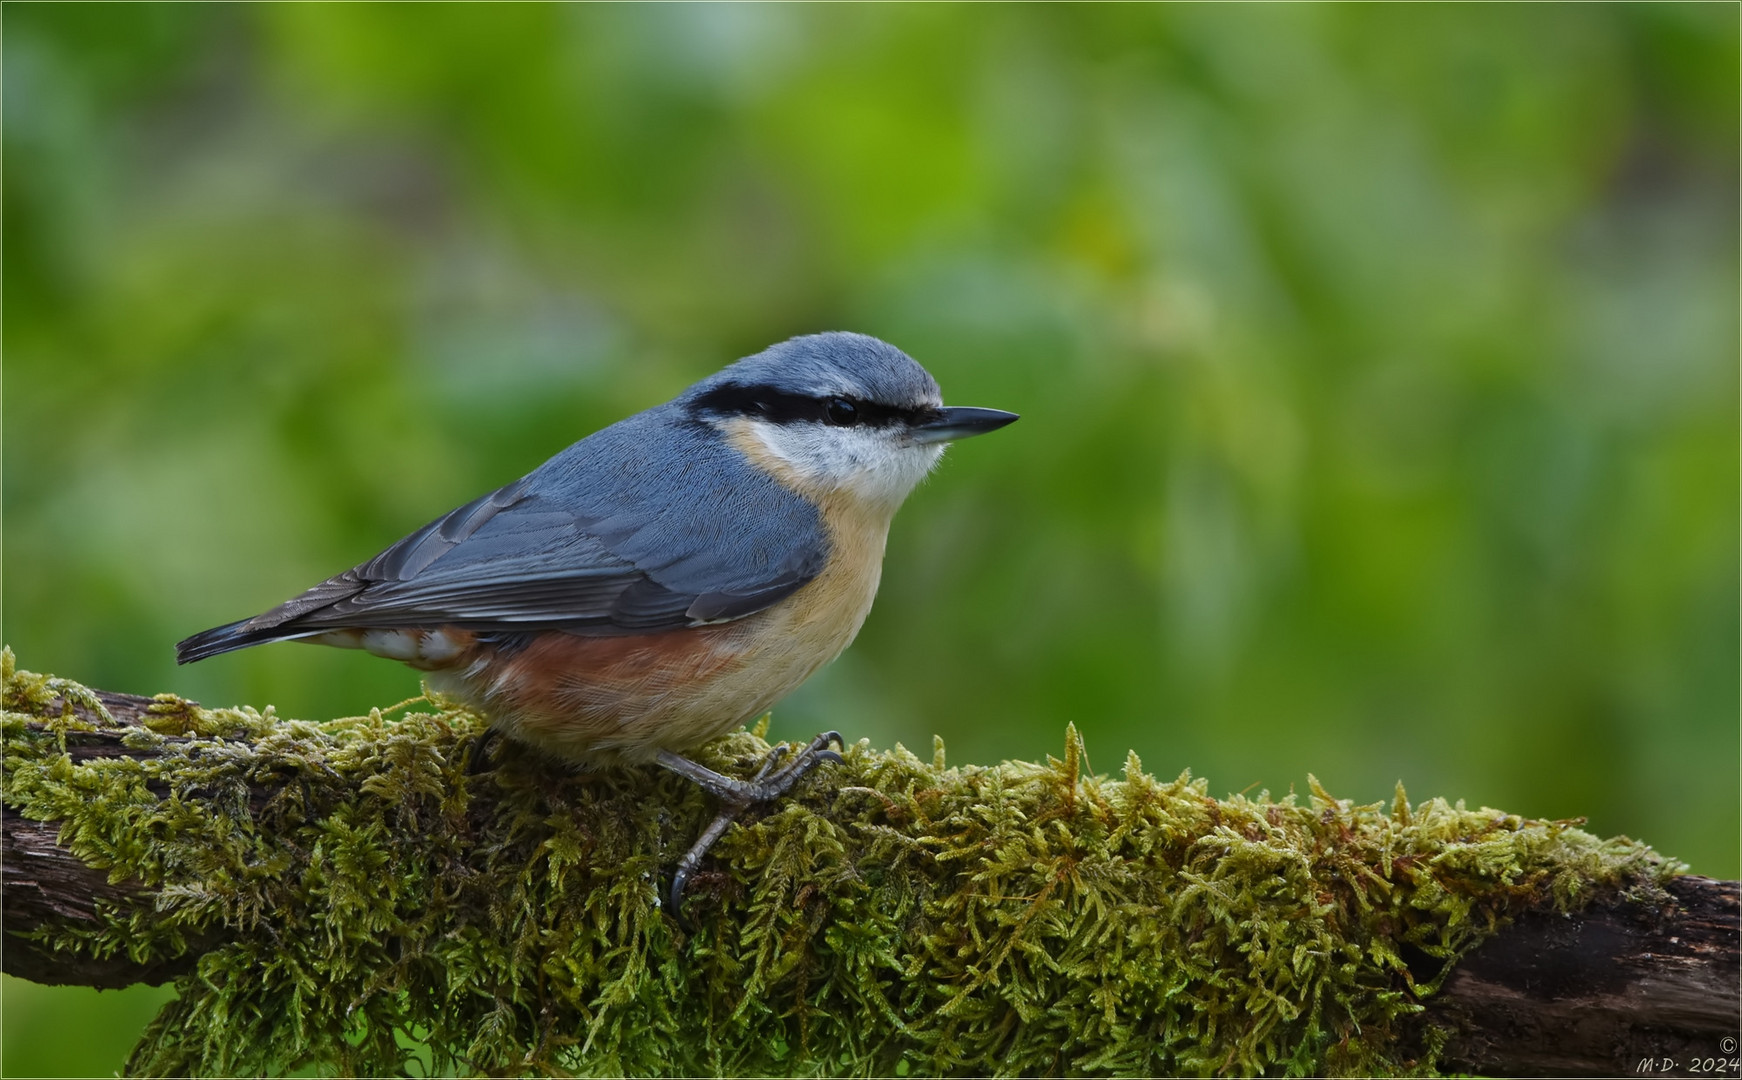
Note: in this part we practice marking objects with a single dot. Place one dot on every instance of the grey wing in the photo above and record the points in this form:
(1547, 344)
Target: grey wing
(679, 539)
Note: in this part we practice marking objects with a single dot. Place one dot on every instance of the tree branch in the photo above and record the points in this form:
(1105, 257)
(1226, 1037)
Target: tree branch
(324, 891)
(44, 884)
(1618, 985)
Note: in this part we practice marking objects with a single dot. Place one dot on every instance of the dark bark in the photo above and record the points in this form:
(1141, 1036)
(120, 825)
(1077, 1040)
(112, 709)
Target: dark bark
(1621, 988)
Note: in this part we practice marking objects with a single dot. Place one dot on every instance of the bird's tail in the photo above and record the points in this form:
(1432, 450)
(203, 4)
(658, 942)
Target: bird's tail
(229, 637)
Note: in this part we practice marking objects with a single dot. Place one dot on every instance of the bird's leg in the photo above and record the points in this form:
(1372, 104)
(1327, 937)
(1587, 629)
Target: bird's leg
(737, 796)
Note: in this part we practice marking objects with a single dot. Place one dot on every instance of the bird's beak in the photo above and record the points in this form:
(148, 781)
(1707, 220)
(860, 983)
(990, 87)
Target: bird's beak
(960, 422)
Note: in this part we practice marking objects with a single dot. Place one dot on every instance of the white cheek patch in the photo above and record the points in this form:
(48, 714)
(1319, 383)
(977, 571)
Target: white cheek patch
(873, 464)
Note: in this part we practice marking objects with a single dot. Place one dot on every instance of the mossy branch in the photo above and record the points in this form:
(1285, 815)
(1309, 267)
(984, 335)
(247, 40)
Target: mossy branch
(376, 894)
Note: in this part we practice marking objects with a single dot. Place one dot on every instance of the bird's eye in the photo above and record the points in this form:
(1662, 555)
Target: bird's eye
(842, 412)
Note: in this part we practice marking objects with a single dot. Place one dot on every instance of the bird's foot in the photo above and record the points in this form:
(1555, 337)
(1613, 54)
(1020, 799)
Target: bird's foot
(775, 778)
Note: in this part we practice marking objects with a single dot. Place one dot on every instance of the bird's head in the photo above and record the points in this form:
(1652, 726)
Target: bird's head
(837, 414)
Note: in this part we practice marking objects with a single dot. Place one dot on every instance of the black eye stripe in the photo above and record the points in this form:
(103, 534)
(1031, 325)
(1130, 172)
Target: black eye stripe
(784, 407)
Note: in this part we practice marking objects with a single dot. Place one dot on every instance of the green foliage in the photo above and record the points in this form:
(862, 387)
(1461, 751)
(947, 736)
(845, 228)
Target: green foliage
(396, 904)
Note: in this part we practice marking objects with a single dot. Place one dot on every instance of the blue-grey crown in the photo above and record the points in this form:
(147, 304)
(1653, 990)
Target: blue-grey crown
(835, 364)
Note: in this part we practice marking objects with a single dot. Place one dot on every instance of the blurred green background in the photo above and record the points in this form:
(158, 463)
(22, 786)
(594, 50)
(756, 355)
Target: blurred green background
(1378, 365)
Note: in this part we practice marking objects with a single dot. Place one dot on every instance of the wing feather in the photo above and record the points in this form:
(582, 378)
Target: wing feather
(605, 538)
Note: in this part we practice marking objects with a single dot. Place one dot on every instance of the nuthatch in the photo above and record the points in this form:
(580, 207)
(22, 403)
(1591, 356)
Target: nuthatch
(663, 580)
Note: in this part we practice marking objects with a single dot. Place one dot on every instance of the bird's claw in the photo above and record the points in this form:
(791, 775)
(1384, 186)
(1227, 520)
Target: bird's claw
(481, 747)
(768, 784)
(769, 761)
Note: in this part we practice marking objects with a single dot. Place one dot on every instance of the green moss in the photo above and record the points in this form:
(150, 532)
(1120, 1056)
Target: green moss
(390, 904)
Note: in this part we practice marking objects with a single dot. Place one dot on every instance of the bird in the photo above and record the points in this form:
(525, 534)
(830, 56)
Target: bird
(665, 579)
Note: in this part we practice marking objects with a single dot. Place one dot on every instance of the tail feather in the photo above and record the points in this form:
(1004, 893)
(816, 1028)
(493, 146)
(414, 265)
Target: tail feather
(232, 636)
(286, 622)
